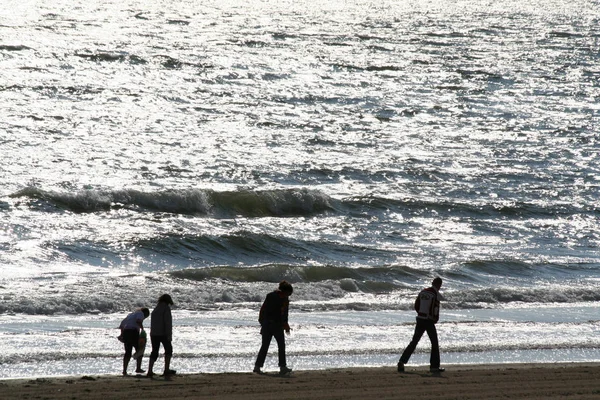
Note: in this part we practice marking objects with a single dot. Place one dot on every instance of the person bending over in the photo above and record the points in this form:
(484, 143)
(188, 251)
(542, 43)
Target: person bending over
(131, 326)
(273, 318)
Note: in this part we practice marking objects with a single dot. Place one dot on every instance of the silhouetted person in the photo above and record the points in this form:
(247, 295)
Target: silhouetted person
(161, 331)
(427, 306)
(273, 320)
(130, 327)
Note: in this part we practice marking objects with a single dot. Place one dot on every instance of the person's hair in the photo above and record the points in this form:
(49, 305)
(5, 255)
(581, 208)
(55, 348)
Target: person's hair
(165, 298)
(285, 286)
(145, 311)
(437, 282)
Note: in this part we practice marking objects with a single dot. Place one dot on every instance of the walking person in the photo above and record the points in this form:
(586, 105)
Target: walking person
(131, 326)
(427, 306)
(273, 318)
(161, 331)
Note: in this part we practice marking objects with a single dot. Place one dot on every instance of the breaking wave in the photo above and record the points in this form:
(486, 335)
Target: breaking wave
(317, 288)
(283, 203)
(249, 203)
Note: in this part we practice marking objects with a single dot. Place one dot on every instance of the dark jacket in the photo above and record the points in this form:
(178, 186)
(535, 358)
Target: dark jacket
(274, 309)
(161, 322)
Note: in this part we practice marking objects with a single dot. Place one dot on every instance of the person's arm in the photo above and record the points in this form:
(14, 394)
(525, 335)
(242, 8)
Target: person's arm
(436, 308)
(284, 317)
(140, 321)
(261, 313)
(169, 324)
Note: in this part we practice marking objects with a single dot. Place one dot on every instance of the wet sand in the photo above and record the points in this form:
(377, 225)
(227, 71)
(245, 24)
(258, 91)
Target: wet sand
(518, 381)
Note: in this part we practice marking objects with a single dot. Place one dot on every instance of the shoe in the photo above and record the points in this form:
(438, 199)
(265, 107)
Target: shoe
(150, 375)
(257, 371)
(437, 370)
(169, 372)
(125, 373)
(140, 371)
(284, 370)
(400, 367)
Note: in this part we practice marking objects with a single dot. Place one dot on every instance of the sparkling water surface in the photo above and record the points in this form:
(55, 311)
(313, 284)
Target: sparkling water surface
(356, 149)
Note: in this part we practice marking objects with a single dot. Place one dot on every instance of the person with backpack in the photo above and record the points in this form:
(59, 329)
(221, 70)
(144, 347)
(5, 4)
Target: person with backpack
(427, 306)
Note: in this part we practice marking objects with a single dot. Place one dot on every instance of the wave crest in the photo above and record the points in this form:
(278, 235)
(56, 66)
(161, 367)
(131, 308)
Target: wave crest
(248, 203)
(351, 279)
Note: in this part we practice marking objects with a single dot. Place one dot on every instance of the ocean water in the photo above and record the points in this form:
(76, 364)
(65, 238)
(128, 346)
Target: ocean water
(357, 149)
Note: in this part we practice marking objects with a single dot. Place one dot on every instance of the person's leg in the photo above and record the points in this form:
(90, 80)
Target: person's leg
(126, 357)
(130, 342)
(168, 356)
(434, 360)
(139, 369)
(267, 335)
(154, 354)
(167, 364)
(280, 338)
(138, 347)
(419, 330)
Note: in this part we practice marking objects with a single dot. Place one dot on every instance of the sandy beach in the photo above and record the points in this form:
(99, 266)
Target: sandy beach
(519, 381)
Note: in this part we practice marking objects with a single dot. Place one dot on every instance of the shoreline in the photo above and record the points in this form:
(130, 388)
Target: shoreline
(474, 381)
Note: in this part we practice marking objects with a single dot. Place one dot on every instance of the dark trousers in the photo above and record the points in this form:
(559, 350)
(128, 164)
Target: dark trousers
(269, 330)
(131, 339)
(424, 325)
(156, 341)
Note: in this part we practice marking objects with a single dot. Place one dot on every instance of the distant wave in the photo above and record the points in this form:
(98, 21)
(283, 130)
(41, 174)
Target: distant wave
(166, 61)
(249, 203)
(284, 202)
(238, 248)
(103, 56)
(561, 34)
(369, 68)
(483, 298)
(8, 47)
(399, 280)
(471, 209)
(516, 269)
(316, 289)
(364, 279)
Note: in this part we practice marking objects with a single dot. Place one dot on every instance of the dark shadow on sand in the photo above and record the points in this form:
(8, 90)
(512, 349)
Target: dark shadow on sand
(424, 374)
